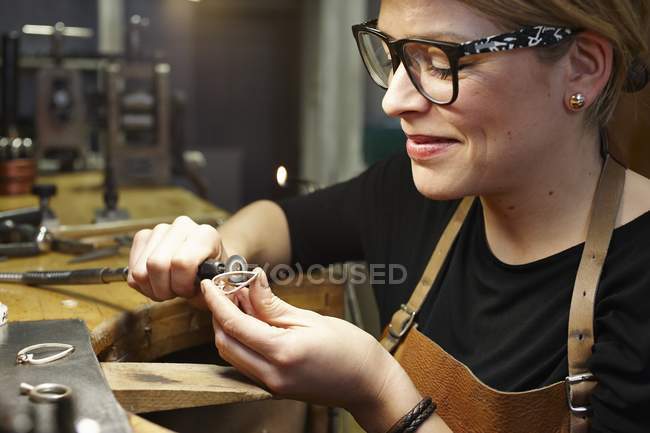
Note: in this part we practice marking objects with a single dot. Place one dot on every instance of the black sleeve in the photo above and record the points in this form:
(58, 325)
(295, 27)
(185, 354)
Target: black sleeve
(341, 222)
(621, 356)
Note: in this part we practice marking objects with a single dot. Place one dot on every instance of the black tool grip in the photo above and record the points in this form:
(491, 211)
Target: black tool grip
(19, 249)
(208, 270)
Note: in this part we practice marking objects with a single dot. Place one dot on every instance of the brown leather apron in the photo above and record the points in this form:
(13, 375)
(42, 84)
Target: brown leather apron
(464, 402)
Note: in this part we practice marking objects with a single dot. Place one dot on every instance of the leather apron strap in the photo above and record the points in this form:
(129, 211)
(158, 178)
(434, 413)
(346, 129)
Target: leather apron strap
(581, 382)
(404, 318)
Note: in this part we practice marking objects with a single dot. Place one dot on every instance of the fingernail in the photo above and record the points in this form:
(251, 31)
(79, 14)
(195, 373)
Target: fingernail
(261, 277)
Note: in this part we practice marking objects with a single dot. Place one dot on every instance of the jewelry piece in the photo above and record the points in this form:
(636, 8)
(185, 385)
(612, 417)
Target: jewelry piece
(577, 101)
(25, 357)
(227, 286)
(45, 392)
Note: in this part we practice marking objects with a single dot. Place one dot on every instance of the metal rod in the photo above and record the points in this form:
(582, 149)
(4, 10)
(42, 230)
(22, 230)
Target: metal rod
(79, 276)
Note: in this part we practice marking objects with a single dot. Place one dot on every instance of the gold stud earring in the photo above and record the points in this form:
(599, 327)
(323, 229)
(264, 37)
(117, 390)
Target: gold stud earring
(577, 101)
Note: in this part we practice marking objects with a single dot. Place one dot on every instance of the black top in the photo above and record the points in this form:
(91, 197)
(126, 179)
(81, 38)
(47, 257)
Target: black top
(507, 323)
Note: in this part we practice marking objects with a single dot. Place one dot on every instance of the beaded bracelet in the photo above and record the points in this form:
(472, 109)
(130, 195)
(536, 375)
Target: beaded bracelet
(410, 422)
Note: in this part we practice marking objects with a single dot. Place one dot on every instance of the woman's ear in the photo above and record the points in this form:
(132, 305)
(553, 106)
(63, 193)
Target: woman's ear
(590, 67)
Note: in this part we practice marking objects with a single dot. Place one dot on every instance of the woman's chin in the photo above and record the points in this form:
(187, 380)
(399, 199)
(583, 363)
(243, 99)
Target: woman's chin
(435, 186)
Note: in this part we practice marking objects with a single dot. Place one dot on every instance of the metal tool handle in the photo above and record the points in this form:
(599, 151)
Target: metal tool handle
(121, 227)
(79, 276)
(71, 246)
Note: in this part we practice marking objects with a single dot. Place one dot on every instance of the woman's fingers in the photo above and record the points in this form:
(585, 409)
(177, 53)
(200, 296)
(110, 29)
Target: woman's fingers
(199, 244)
(269, 307)
(164, 261)
(290, 360)
(159, 260)
(139, 243)
(252, 332)
(140, 271)
(250, 363)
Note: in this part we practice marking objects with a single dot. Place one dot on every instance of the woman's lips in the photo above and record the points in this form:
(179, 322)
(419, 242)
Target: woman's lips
(421, 147)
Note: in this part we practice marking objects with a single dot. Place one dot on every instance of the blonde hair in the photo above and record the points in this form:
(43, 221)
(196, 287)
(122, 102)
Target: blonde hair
(624, 22)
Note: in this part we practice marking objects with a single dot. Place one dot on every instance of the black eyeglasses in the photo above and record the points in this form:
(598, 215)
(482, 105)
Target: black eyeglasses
(433, 66)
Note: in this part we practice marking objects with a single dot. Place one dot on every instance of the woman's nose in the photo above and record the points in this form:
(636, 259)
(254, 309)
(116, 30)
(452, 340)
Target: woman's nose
(402, 96)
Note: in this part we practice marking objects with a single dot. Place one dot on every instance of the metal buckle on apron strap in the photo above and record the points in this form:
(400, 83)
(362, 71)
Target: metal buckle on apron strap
(574, 380)
(406, 324)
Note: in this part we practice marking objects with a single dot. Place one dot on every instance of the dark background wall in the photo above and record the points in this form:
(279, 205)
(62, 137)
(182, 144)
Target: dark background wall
(248, 64)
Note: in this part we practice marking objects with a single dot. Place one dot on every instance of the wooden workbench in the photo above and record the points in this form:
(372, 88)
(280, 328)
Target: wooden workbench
(124, 325)
(79, 195)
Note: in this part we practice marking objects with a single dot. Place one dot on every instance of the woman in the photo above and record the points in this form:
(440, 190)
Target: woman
(514, 120)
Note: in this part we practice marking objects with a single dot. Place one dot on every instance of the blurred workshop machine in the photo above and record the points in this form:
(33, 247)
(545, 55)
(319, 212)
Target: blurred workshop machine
(60, 106)
(110, 112)
(138, 103)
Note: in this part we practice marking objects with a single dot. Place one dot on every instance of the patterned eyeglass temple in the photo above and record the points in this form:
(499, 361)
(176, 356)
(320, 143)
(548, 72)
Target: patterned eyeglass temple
(532, 36)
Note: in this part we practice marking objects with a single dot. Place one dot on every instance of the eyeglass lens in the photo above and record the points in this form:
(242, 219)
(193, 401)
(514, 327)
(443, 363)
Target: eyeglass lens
(376, 55)
(428, 66)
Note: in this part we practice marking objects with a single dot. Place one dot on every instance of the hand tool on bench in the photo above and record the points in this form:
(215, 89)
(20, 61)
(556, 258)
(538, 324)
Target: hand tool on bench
(33, 241)
(207, 270)
(120, 244)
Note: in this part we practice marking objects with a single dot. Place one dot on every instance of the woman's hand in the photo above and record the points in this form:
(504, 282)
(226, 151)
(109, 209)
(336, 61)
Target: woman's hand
(163, 262)
(300, 354)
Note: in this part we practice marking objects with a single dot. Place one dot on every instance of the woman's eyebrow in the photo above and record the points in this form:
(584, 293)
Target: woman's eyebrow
(438, 36)
(443, 36)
